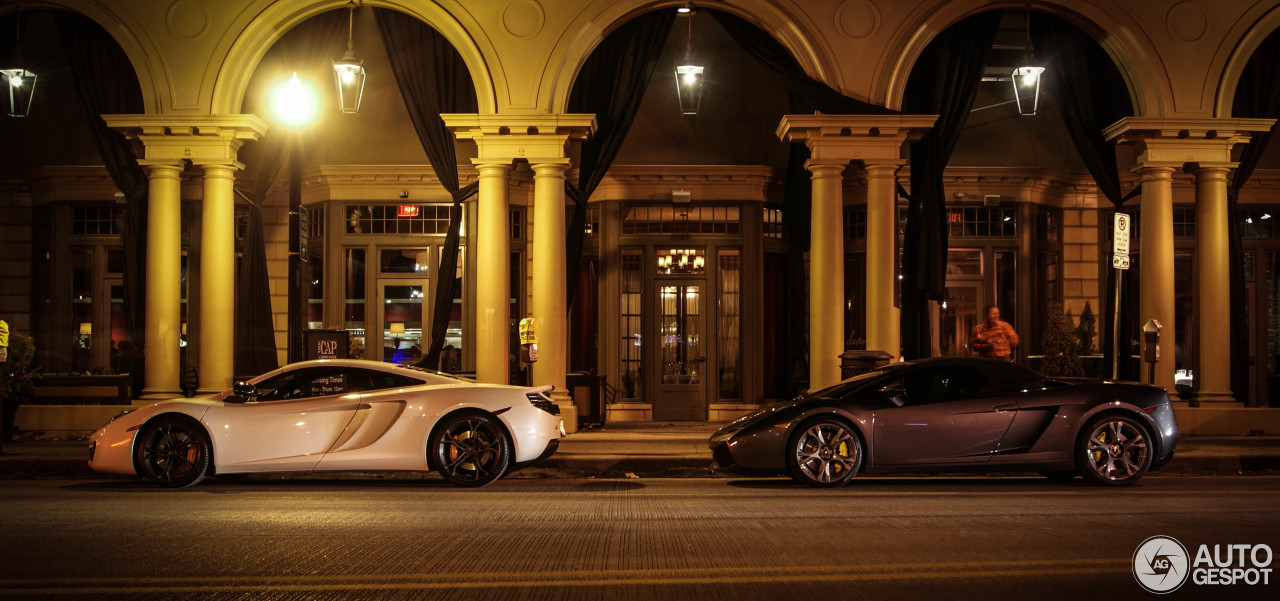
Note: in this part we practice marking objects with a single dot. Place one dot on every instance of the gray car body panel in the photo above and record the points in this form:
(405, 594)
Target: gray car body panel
(1026, 422)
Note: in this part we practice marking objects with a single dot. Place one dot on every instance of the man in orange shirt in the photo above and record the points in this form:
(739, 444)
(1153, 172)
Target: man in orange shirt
(993, 338)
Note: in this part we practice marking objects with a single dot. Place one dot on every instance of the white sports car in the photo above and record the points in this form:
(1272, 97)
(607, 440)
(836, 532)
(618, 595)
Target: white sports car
(335, 415)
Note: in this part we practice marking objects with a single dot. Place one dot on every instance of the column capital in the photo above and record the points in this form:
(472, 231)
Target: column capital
(172, 167)
(189, 137)
(826, 168)
(491, 164)
(549, 165)
(885, 166)
(1206, 168)
(1156, 169)
(854, 137)
(513, 137)
(1184, 140)
(208, 165)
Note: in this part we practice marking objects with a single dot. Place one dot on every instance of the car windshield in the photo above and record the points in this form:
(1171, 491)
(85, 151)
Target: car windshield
(844, 388)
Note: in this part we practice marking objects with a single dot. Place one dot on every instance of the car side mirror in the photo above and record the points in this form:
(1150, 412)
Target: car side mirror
(242, 392)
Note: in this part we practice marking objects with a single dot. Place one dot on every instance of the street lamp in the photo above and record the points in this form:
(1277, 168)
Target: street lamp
(294, 102)
(19, 83)
(348, 73)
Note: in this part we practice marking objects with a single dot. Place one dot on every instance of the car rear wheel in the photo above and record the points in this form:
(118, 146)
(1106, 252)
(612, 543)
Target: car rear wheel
(471, 449)
(824, 452)
(172, 452)
(1115, 451)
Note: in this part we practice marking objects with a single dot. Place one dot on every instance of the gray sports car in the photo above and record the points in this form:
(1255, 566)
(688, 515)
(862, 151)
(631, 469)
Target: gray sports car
(945, 415)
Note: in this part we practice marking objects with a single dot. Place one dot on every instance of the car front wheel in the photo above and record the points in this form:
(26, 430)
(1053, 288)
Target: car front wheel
(173, 452)
(1115, 451)
(824, 452)
(471, 449)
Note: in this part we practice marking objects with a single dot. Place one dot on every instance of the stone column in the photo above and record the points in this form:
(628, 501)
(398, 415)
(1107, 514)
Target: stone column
(882, 228)
(217, 277)
(1213, 287)
(549, 306)
(1156, 284)
(493, 269)
(826, 274)
(164, 280)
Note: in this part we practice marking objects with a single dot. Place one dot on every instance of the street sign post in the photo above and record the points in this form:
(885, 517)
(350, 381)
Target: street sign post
(1120, 261)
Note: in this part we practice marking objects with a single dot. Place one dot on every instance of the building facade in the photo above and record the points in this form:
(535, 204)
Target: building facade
(696, 294)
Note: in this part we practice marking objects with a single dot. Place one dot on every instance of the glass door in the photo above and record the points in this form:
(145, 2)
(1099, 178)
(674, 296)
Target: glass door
(960, 312)
(681, 351)
(399, 311)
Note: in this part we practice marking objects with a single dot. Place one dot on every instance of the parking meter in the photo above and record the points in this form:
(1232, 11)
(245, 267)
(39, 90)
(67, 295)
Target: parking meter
(528, 340)
(1151, 347)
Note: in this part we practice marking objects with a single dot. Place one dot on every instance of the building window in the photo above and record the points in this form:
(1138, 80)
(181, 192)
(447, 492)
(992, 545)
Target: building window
(517, 224)
(730, 342)
(398, 219)
(773, 223)
(983, 222)
(1048, 224)
(592, 224)
(855, 223)
(631, 306)
(315, 221)
(1257, 222)
(1184, 223)
(353, 318)
(96, 221)
(666, 220)
(403, 260)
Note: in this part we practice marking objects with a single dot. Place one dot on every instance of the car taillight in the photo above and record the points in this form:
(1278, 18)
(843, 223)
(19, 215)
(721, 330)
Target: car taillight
(541, 401)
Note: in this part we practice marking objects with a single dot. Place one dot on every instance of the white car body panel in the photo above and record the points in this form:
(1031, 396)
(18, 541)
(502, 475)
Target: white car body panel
(387, 429)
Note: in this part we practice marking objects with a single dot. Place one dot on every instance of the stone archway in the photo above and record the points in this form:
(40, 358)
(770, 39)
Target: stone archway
(275, 20)
(1134, 56)
(1240, 53)
(142, 54)
(594, 23)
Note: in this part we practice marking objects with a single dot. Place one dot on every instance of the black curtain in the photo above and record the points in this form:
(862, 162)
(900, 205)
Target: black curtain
(433, 79)
(1257, 95)
(255, 337)
(1091, 95)
(610, 85)
(943, 82)
(105, 83)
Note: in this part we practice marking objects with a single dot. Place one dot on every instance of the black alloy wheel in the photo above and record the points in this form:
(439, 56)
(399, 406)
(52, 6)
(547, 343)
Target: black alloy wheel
(173, 452)
(824, 452)
(1115, 450)
(471, 449)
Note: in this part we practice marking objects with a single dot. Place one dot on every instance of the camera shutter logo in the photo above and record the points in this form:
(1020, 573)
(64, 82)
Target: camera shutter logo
(1161, 564)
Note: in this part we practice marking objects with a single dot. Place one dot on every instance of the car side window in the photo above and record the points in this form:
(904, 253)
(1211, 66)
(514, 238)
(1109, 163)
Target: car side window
(364, 380)
(938, 385)
(304, 383)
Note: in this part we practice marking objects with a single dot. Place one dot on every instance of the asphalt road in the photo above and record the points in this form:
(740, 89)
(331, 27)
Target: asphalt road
(410, 538)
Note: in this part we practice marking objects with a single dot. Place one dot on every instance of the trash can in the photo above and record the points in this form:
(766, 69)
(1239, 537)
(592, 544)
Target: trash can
(587, 391)
(853, 363)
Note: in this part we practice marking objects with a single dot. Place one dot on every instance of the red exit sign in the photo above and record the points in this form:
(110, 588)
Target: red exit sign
(408, 211)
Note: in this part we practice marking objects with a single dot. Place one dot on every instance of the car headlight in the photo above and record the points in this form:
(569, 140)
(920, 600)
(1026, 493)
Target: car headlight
(120, 415)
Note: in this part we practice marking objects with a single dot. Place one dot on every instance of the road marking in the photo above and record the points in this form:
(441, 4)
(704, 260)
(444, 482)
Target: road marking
(560, 579)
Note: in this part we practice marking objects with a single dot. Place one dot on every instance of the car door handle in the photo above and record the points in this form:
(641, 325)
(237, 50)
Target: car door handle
(1002, 407)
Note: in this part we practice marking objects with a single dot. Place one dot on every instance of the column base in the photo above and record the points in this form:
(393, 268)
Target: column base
(1215, 396)
(160, 395)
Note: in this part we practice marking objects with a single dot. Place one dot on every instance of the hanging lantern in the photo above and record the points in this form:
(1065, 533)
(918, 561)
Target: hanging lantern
(689, 88)
(348, 73)
(1026, 79)
(19, 83)
(1026, 89)
(21, 87)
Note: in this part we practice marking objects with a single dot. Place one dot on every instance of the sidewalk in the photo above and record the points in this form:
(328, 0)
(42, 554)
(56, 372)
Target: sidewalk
(671, 450)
